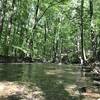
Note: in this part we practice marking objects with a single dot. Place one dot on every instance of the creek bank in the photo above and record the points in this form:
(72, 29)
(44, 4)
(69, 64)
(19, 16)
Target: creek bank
(15, 91)
(13, 59)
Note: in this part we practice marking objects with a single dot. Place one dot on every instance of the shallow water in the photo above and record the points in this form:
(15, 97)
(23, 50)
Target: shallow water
(53, 80)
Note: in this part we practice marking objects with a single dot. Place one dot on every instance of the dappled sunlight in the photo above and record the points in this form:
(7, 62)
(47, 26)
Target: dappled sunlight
(92, 96)
(54, 72)
(0, 68)
(71, 89)
(49, 49)
(40, 81)
(50, 80)
(59, 82)
(73, 73)
(68, 69)
(13, 91)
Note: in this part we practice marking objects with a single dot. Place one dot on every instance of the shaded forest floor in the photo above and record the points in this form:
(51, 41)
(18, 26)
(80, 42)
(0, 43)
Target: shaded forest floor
(52, 83)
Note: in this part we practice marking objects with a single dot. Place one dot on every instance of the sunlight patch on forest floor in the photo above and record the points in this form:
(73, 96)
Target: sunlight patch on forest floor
(13, 91)
(89, 95)
(71, 90)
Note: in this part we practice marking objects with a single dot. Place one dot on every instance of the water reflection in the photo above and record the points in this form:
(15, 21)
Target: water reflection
(10, 72)
(52, 85)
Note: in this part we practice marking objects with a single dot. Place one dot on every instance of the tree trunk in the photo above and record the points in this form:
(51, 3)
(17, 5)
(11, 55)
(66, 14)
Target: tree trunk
(45, 39)
(36, 15)
(2, 17)
(92, 30)
(82, 31)
(7, 36)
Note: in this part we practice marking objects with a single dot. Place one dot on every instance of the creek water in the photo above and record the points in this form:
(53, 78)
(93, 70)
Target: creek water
(56, 81)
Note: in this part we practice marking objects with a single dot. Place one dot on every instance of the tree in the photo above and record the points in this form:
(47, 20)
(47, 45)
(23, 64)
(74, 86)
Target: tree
(82, 31)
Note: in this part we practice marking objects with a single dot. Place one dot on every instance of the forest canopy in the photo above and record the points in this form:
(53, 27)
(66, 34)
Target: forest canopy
(50, 29)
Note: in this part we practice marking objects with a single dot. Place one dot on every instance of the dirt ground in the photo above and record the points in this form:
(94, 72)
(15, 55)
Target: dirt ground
(15, 91)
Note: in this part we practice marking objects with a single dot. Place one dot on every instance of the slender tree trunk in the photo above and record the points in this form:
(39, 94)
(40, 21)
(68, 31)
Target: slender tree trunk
(7, 41)
(3, 11)
(11, 18)
(45, 39)
(60, 50)
(55, 47)
(82, 31)
(93, 35)
(36, 15)
(55, 50)
(34, 27)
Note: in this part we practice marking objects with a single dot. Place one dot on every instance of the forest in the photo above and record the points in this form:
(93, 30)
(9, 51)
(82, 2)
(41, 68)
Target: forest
(52, 33)
(50, 30)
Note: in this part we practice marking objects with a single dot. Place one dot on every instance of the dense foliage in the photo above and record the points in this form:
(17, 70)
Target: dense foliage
(50, 29)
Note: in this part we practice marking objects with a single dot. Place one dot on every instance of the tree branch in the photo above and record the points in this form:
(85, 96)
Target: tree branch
(51, 4)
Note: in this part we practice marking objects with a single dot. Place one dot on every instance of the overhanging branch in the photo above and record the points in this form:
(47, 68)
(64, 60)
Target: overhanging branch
(51, 4)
